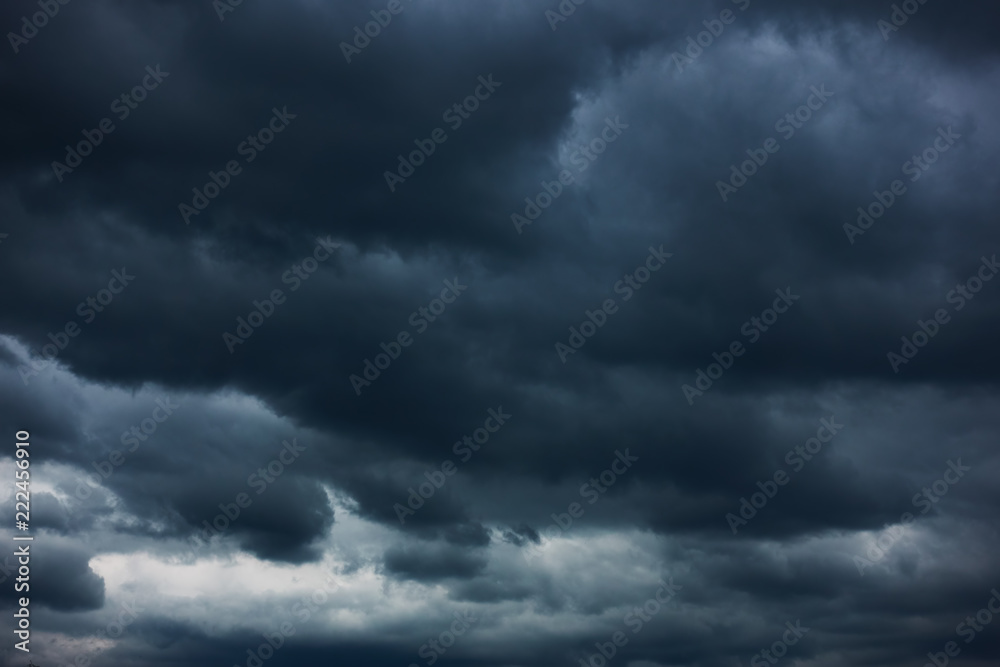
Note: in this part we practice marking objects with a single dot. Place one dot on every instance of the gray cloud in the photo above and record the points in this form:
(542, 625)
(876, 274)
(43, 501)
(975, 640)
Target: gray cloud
(495, 533)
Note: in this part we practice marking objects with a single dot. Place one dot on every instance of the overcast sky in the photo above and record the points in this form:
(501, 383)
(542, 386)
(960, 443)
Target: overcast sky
(502, 333)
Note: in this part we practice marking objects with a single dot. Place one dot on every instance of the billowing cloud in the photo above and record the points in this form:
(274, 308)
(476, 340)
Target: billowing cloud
(503, 332)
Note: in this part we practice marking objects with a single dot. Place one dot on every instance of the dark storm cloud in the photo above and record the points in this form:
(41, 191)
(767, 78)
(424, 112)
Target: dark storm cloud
(269, 531)
(482, 537)
(50, 513)
(67, 584)
(214, 364)
(959, 32)
(429, 562)
(521, 535)
(60, 579)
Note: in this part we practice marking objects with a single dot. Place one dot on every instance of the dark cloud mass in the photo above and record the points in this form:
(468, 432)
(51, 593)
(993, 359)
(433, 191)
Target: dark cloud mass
(502, 333)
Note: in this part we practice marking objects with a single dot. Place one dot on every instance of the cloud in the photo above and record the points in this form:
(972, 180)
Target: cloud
(202, 514)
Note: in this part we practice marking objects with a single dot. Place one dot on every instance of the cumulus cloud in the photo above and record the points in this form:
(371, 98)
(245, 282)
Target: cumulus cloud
(343, 469)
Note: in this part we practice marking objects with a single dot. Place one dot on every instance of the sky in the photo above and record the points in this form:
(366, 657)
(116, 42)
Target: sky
(506, 333)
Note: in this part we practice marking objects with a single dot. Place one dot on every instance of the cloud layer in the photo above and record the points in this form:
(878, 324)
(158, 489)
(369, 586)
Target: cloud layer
(467, 341)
